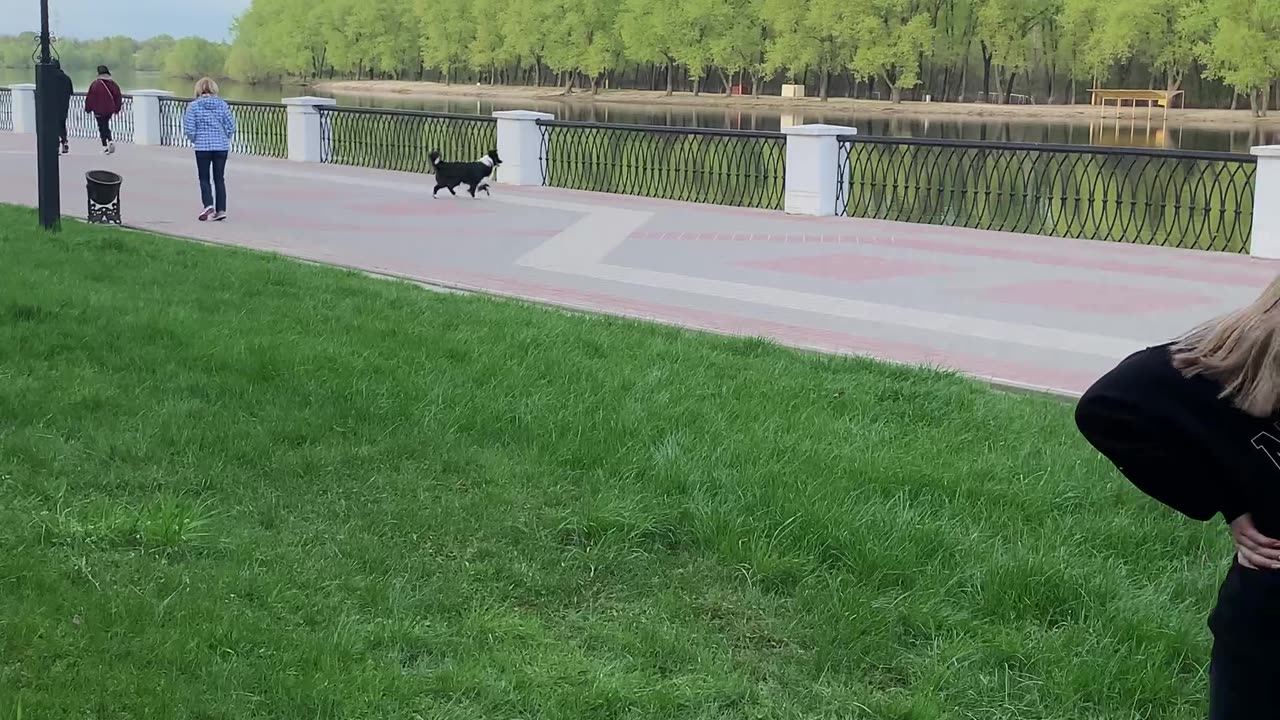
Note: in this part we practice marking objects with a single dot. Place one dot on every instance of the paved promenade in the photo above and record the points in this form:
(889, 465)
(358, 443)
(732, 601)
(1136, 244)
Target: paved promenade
(1030, 311)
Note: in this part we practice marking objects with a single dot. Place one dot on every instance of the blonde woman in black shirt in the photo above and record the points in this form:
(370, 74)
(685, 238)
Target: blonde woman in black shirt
(1195, 424)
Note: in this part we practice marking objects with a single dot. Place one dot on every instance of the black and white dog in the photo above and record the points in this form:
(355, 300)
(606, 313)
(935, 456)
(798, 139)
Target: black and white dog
(472, 174)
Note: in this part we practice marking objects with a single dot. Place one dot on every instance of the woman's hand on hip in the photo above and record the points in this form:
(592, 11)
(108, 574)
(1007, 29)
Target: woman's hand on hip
(1253, 549)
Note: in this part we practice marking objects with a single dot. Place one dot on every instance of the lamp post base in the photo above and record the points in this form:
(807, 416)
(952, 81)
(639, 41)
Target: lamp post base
(47, 130)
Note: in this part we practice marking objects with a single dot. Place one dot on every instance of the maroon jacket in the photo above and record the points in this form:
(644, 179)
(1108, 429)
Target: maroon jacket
(104, 97)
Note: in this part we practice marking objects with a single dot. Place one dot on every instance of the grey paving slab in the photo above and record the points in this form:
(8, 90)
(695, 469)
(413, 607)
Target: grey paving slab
(1042, 312)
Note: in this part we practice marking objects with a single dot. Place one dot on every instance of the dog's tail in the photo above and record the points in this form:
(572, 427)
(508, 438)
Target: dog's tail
(434, 157)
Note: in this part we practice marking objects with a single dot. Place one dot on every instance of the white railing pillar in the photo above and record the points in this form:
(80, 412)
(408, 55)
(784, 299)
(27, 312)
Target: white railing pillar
(520, 146)
(306, 139)
(24, 108)
(1265, 242)
(813, 151)
(147, 124)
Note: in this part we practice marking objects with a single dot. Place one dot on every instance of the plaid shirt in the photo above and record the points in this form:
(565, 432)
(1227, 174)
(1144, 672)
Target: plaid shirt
(209, 124)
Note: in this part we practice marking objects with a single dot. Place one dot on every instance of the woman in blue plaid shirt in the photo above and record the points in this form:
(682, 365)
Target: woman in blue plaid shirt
(210, 126)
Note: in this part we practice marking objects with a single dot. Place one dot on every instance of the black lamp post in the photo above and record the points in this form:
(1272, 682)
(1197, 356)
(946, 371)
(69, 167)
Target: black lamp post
(47, 129)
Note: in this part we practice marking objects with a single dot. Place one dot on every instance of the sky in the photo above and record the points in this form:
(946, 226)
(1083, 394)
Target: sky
(136, 18)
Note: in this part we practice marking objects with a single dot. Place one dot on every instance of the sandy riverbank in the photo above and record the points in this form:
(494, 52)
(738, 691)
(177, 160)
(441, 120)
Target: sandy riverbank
(1083, 114)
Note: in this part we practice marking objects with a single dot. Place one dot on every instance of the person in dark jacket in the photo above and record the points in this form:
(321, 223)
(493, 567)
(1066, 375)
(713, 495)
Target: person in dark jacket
(62, 92)
(1195, 424)
(104, 100)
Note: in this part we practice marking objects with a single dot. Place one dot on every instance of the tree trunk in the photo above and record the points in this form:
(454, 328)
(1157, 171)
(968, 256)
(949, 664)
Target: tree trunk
(595, 85)
(986, 73)
(824, 84)
(895, 94)
(757, 85)
(570, 79)
(727, 80)
(1235, 98)
(671, 72)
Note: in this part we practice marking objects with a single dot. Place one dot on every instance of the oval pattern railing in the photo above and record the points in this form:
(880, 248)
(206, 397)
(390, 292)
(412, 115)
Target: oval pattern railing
(261, 128)
(82, 125)
(1197, 200)
(6, 109)
(722, 167)
(402, 139)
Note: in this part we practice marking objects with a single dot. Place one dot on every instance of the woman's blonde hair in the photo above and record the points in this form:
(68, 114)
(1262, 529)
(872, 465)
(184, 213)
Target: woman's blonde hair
(1241, 352)
(206, 86)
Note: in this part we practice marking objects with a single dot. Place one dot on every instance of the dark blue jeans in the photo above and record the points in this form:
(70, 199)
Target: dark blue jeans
(212, 168)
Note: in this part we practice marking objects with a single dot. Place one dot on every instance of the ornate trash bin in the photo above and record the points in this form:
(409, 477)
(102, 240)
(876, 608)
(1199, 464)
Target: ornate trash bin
(103, 188)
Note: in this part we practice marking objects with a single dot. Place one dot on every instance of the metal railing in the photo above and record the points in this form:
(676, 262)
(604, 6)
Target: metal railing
(6, 109)
(722, 167)
(402, 139)
(261, 128)
(84, 126)
(1197, 200)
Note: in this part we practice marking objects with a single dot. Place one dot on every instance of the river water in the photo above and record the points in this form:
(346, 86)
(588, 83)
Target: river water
(1122, 133)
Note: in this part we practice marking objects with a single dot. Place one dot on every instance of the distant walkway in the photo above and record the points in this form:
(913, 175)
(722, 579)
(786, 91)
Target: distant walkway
(1029, 311)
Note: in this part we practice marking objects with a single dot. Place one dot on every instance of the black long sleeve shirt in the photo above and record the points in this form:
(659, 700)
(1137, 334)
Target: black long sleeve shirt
(1180, 443)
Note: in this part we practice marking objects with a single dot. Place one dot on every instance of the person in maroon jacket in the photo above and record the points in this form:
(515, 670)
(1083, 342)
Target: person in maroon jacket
(1195, 424)
(104, 100)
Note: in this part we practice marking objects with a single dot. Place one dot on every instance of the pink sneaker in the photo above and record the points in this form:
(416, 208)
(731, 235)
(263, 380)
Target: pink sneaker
(206, 214)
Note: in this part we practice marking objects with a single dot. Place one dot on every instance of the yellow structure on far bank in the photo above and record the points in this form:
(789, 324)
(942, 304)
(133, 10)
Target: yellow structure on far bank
(1120, 98)
(1152, 98)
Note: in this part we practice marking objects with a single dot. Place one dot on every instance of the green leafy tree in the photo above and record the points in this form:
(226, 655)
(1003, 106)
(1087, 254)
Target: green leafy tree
(1243, 49)
(955, 29)
(890, 39)
(526, 26)
(153, 53)
(739, 47)
(809, 34)
(250, 56)
(196, 57)
(653, 31)
(16, 51)
(489, 48)
(1007, 30)
(701, 22)
(447, 32)
(1170, 36)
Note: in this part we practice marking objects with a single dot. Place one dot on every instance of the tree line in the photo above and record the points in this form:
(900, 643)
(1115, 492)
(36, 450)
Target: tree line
(953, 50)
(190, 57)
(1044, 51)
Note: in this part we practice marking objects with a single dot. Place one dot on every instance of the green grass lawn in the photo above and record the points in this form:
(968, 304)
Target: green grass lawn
(235, 486)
